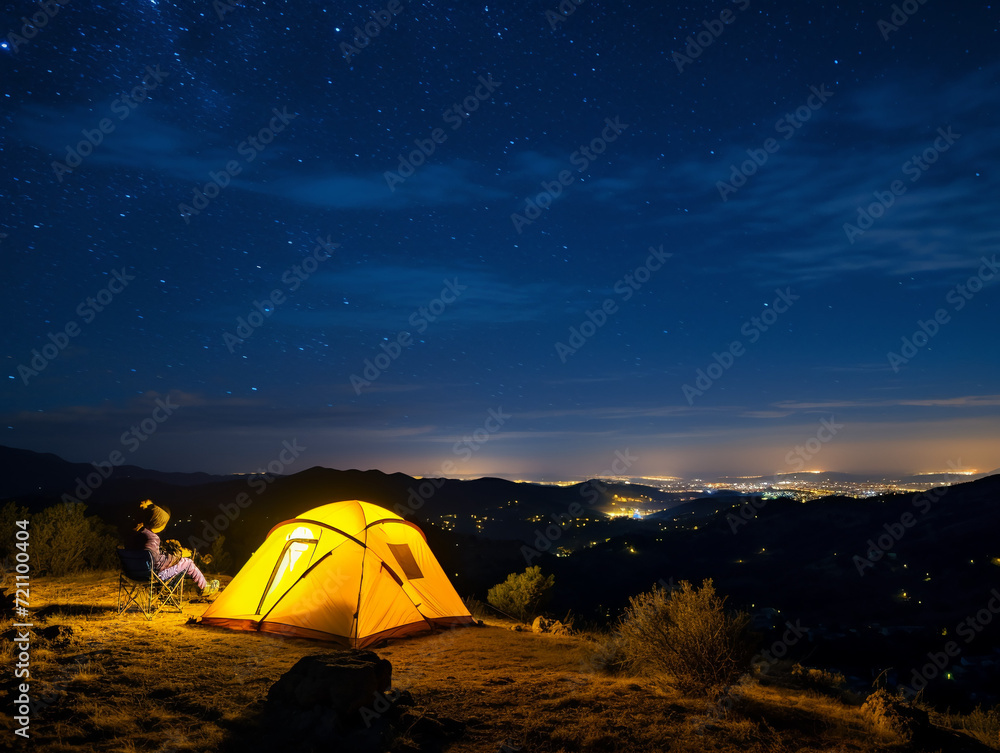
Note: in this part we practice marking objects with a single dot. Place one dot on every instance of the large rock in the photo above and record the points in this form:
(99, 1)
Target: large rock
(7, 602)
(343, 702)
(341, 683)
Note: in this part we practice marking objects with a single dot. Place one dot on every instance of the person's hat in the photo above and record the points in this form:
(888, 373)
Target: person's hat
(152, 516)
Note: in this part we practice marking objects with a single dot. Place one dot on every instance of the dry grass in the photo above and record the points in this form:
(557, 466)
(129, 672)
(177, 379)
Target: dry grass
(126, 685)
(982, 724)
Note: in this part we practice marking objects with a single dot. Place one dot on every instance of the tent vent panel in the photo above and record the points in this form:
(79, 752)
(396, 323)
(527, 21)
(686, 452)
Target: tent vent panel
(406, 561)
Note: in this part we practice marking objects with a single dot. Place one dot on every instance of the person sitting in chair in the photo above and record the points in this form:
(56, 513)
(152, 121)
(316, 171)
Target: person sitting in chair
(169, 561)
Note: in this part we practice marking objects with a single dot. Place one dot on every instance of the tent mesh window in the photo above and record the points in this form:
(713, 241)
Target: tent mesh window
(405, 559)
(301, 541)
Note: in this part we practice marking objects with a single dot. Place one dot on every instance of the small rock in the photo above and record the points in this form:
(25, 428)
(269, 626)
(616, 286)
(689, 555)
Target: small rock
(545, 625)
(424, 726)
(56, 633)
(405, 698)
(540, 625)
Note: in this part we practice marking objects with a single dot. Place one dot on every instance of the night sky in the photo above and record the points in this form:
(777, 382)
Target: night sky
(502, 237)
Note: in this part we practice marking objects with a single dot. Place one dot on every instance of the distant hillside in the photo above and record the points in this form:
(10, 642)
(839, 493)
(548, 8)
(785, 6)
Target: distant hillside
(944, 478)
(24, 473)
(878, 581)
(244, 507)
(802, 476)
(803, 553)
(858, 478)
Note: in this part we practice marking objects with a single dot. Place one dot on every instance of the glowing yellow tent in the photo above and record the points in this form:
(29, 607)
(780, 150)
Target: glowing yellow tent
(350, 572)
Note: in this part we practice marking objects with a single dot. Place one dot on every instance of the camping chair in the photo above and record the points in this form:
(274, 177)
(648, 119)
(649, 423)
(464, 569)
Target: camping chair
(138, 584)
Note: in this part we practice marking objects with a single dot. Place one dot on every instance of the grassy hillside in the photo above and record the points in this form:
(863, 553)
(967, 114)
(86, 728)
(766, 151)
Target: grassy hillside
(126, 685)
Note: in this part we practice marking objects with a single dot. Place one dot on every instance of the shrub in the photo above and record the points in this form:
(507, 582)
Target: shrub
(10, 513)
(895, 717)
(218, 557)
(522, 595)
(686, 638)
(477, 609)
(64, 541)
(99, 550)
(609, 654)
(984, 725)
(819, 679)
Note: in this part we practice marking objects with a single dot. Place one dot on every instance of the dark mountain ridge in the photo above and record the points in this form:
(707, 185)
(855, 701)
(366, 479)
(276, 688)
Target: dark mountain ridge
(878, 581)
(24, 473)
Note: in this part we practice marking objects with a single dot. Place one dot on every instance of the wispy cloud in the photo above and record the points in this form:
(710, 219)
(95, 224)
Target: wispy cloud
(966, 401)
(389, 298)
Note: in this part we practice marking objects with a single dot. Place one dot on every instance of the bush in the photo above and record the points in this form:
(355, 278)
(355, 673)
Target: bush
(64, 541)
(833, 684)
(477, 609)
(984, 725)
(218, 557)
(10, 513)
(686, 638)
(522, 595)
(609, 654)
(894, 717)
